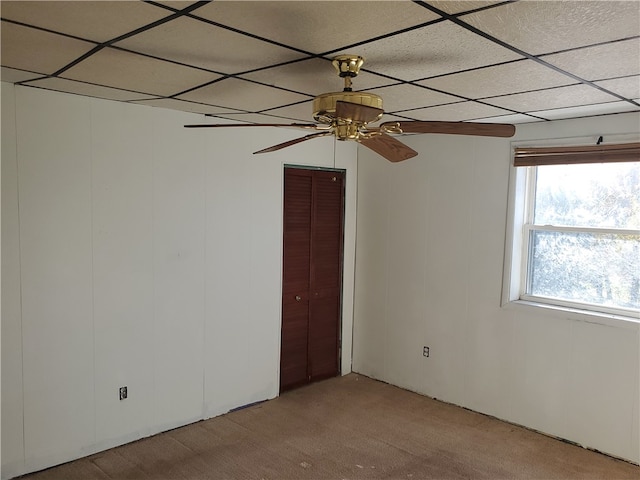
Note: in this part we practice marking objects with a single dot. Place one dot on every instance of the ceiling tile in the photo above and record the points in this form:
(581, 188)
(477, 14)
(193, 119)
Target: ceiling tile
(115, 68)
(458, 6)
(318, 26)
(588, 110)
(503, 79)
(539, 27)
(243, 95)
(79, 88)
(184, 106)
(601, 62)
(628, 87)
(442, 48)
(313, 77)
(512, 118)
(176, 4)
(203, 45)
(11, 75)
(255, 118)
(403, 97)
(92, 20)
(394, 118)
(456, 112)
(559, 97)
(26, 48)
(438, 54)
(302, 112)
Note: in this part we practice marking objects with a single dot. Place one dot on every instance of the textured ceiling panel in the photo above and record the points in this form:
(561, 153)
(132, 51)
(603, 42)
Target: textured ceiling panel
(513, 77)
(511, 118)
(12, 75)
(242, 95)
(184, 106)
(97, 21)
(601, 62)
(551, 26)
(256, 118)
(317, 26)
(200, 44)
(38, 51)
(551, 99)
(402, 97)
(456, 111)
(115, 68)
(313, 76)
(80, 88)
(459, 6)
(559, 57)
(177, 4)
(434, 50)
(302, 112)
(586, 110)
(628, 87)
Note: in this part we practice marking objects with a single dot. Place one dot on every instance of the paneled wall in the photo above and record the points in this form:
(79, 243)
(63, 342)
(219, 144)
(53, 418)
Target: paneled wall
(137, 252)
(12, 392)
(430, 253)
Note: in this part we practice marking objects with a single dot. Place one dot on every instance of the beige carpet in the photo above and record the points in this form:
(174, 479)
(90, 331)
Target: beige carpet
(347, 428)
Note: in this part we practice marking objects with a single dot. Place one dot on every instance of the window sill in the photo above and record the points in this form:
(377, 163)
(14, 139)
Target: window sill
(576, 314)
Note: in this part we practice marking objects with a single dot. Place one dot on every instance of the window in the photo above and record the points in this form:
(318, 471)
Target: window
(576, 236)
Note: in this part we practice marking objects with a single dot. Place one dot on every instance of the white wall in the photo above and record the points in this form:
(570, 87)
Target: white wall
(11, 402)
(430, 251)
(137, 252)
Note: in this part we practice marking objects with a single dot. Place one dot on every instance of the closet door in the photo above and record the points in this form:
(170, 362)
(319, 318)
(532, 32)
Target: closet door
(312, 276)
(325, 274)
(296, 271)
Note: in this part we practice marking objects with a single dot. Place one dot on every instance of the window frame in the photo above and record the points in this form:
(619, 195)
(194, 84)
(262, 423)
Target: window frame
(520, 215)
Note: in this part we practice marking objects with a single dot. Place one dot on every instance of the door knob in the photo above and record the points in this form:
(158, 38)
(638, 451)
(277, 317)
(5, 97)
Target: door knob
(298, 298)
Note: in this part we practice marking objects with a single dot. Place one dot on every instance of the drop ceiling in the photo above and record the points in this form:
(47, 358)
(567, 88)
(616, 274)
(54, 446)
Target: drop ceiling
(264, 61)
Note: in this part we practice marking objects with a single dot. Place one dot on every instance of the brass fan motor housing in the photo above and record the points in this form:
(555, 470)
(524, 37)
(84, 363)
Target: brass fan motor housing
(324, 106)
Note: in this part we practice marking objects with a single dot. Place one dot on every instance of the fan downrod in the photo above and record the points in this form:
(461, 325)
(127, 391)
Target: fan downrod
(348, 67)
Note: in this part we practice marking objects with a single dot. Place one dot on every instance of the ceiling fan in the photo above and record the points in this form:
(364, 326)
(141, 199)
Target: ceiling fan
(347, 116)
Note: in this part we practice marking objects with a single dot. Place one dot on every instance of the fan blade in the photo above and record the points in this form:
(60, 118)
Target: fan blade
(356, 112)
(293, 142)
(388, 147)
(454, 128)
(312, 126)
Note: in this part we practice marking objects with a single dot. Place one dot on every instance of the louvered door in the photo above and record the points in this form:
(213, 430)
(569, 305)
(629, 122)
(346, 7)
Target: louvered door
(312, 276)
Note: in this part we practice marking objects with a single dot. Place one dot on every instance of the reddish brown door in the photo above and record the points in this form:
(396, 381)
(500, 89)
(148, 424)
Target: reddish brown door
(312, 276)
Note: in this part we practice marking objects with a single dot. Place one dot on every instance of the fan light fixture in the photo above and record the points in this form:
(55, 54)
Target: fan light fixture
(346, 114)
